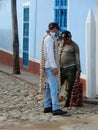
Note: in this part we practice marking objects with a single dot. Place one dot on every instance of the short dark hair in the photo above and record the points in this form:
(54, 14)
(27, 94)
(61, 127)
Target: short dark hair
(65, 34)
(53, 25)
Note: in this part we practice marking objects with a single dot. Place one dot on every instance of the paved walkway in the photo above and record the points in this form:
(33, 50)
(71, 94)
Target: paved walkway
(34, 79)
(29, 77)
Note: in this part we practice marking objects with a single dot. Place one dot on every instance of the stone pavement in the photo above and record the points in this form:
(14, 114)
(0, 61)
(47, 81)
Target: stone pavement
(21, 106)
(30, 77)
(34, 79)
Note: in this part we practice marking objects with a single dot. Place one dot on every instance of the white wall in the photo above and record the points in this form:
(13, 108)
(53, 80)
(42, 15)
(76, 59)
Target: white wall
(97, 44)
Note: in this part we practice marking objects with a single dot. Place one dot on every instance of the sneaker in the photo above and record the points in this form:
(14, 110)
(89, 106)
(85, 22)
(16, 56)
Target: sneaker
(59, 112)
(48, 110)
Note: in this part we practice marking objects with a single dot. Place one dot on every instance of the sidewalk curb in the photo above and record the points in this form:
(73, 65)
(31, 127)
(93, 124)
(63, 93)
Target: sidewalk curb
(91, 101)
(20, 78)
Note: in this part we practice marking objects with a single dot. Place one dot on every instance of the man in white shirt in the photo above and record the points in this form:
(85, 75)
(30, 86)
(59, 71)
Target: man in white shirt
(51, 103)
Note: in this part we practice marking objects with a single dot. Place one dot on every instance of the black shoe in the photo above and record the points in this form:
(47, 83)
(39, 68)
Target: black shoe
(48, 110)
(66, 105)
(59, 112)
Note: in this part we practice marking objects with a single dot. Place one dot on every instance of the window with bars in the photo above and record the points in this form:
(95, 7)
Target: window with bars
(25, 36)
(60, 9)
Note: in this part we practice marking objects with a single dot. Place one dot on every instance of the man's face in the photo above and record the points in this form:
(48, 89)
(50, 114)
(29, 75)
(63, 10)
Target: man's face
(68, 40)
(55, 30)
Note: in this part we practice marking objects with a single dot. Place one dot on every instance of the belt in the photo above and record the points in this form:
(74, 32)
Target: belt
(69, 66)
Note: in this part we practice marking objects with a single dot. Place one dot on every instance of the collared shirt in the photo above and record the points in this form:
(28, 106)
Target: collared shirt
(49, 52)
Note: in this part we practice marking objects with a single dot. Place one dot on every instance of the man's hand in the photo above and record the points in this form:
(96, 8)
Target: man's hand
(77, 75)
(55, 71)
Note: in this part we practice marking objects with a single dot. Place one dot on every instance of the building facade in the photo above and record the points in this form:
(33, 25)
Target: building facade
(33, 19)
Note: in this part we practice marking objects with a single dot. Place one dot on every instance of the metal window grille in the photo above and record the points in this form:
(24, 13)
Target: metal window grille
(60, 14)
(25, 36)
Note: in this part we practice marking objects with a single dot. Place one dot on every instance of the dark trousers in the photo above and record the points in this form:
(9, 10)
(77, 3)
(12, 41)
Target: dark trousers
(68, 74)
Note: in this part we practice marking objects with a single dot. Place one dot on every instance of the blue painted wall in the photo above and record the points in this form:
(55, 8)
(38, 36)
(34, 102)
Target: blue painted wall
(40, 16)
(42, 13)
(78, 11)
(5, 27)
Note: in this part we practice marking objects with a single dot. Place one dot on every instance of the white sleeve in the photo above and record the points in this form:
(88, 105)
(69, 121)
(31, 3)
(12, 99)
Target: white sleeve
(50, 52)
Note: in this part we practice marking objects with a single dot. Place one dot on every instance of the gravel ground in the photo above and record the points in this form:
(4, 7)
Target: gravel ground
(21, 106)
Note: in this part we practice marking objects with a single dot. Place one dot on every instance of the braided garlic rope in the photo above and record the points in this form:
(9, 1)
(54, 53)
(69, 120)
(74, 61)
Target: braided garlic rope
(57, 52)
(42, 65)
(57, 58)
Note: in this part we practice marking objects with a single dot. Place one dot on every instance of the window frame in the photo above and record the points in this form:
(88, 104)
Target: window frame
(26, 15)
(61, 6)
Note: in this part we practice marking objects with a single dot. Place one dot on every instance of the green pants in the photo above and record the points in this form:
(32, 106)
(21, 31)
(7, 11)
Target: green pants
(68, 74)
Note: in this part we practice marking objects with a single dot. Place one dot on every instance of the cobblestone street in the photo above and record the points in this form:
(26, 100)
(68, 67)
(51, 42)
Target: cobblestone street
(21, 107)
